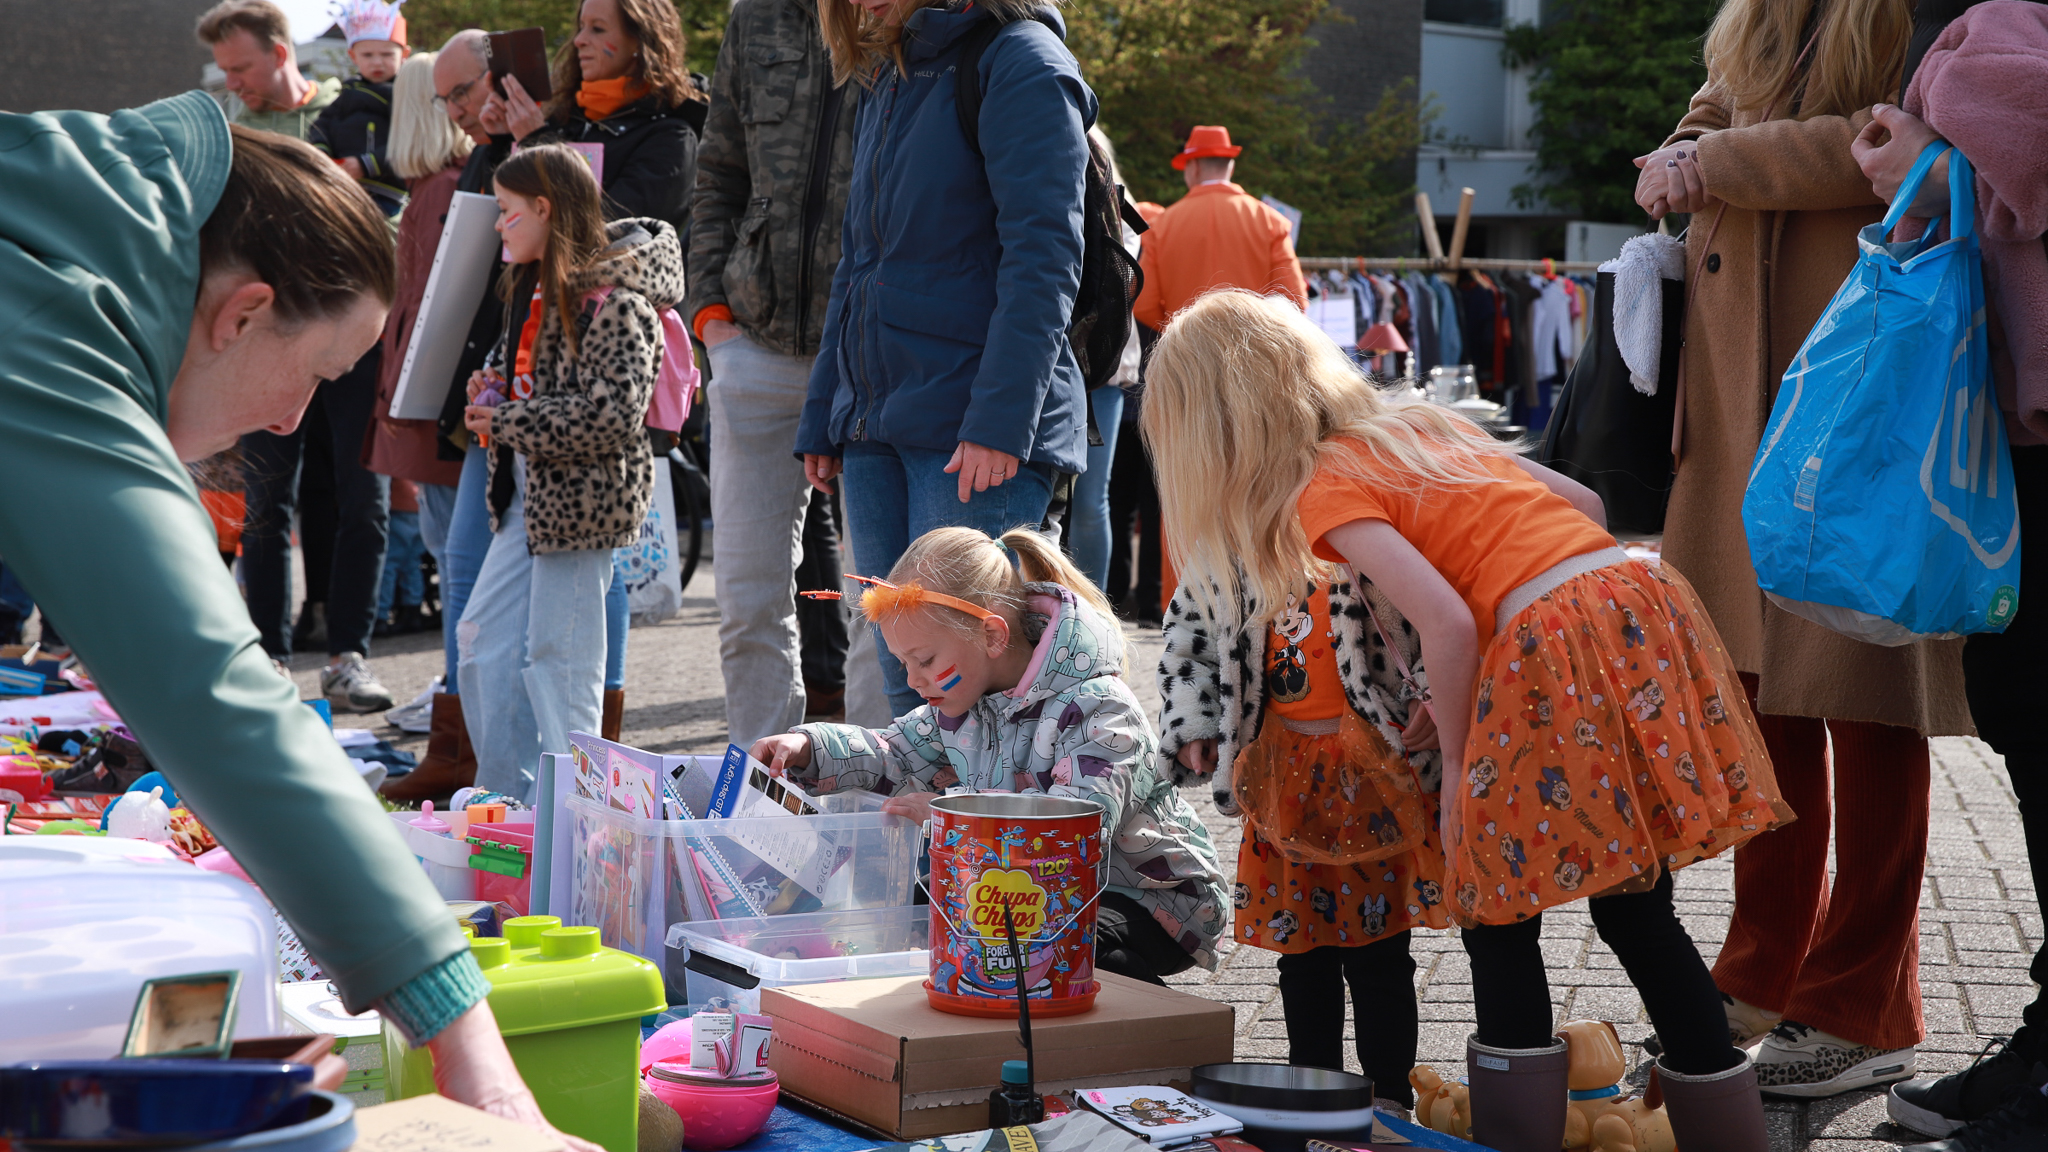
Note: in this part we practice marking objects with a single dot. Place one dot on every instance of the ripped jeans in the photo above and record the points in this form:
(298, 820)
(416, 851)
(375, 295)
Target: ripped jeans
(531, 653)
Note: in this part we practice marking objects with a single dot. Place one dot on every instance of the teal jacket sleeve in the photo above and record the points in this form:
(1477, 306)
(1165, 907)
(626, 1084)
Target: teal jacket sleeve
(104, 526)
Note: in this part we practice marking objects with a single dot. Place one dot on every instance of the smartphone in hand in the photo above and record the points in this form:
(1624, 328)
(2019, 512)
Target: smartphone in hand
(522, 52)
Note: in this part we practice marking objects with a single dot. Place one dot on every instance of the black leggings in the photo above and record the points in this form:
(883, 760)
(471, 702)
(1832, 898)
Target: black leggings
(1382, 979)
(1129, 942)
(1512, 995)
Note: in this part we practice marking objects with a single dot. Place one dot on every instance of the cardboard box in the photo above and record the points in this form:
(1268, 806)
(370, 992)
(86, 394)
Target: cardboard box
(876, 1051)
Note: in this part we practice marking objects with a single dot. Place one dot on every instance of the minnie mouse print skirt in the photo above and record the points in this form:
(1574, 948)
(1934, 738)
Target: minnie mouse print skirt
(1610, 741)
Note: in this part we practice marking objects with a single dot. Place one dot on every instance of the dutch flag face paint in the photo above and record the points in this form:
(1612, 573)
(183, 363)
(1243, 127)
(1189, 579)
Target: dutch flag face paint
(948, 679)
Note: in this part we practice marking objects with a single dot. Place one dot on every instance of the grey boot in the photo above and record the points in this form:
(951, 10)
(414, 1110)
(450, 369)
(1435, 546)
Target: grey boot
(1718, 1112)
(1519, 1096)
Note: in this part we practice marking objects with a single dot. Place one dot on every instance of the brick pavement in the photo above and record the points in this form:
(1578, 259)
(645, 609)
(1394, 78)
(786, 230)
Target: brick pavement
(1979, 920)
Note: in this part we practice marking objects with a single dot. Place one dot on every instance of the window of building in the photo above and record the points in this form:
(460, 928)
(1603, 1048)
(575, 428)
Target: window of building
(1477, 13)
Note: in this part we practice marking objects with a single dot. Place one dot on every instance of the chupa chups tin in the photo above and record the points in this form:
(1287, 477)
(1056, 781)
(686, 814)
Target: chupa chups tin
(1041, 858)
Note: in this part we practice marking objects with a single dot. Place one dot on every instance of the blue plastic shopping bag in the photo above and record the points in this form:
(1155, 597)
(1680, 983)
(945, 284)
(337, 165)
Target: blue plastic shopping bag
(1881, 504)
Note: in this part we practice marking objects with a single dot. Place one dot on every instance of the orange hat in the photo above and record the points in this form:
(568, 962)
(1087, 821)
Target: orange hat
(1206, 140)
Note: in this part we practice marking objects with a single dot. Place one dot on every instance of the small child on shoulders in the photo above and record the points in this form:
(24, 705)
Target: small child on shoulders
(1020, 662)
(355, 130)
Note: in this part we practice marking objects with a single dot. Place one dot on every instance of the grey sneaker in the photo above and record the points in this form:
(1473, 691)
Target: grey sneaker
(416, 717)
(1800, 1060)
(350, 686)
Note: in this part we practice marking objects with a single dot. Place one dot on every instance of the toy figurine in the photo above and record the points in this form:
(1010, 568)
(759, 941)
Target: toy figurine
(1441, 1106)
(1603, 1117)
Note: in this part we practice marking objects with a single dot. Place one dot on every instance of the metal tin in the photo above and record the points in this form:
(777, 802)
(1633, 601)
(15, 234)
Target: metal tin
(1043, 858)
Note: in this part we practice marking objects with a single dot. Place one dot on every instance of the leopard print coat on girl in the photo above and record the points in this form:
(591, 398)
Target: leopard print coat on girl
(1213, 684)
(589, 469)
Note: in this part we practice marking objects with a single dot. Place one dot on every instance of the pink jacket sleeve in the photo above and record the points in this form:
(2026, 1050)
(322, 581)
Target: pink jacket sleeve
(1997, 48)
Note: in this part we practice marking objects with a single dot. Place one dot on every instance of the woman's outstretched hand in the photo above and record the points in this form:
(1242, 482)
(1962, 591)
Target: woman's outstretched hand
(473, 1067)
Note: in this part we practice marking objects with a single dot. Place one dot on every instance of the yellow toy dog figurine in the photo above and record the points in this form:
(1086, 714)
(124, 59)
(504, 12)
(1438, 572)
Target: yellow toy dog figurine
(1439, 1106)
(1603, 1118)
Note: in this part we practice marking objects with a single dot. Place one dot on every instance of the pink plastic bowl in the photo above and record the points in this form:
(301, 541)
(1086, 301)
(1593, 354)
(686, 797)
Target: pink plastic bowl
(716, 1118)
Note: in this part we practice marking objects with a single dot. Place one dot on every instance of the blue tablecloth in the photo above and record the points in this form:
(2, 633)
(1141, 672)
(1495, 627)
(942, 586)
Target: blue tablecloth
(789, 1130)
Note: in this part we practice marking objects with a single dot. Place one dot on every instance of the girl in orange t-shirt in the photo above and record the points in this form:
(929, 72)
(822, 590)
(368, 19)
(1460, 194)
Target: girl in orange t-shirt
(1595, 736)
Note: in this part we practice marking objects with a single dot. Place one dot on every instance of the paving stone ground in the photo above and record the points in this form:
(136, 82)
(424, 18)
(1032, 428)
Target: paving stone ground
(1979, 918)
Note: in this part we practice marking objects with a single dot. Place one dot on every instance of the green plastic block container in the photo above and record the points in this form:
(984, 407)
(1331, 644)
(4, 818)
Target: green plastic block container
(570, 1012)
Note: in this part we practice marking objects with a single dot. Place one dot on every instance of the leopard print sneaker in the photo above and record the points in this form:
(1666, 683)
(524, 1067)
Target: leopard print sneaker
(1799, 1060)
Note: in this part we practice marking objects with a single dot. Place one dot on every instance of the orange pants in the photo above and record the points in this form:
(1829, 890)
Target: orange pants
(1845, 961)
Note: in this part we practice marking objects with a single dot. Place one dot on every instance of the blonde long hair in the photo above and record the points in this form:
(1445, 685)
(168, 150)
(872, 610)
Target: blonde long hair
(859, 41)
(423, 139)
(1244, 400)
(967, 563)
(1859, 51)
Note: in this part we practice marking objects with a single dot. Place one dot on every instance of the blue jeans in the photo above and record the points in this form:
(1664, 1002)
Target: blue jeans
(1088, 539)
(532, 646)
(468, 541)
(896, 494)
(403, 582)
(617, 619)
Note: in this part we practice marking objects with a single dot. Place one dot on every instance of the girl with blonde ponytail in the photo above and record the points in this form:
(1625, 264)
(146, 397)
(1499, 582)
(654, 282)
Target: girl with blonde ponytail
(1020, 665)
(1594, 735)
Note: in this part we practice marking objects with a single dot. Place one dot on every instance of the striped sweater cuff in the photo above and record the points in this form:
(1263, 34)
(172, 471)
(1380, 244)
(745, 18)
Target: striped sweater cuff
(432, 1000)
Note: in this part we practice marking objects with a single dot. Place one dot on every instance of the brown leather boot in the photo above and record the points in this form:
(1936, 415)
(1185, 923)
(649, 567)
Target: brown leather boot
(614, 713)
(1720, 1112)
(1518, 1095)
(450, 761)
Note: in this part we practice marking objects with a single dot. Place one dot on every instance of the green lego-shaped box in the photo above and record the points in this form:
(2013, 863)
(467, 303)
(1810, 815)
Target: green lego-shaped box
(570, 1012)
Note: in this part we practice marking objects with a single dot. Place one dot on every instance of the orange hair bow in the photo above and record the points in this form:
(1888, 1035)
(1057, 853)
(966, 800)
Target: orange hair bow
(884, 600)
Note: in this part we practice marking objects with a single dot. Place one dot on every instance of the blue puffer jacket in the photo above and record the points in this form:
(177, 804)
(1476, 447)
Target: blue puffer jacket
(948, 318)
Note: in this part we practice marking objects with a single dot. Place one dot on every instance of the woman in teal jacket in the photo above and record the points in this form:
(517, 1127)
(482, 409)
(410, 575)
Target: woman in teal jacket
(166, 285)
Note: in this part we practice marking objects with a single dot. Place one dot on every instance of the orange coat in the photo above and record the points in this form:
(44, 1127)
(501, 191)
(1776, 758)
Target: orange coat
(1216, 237)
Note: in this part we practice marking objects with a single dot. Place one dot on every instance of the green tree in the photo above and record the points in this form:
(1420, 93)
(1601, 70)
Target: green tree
(1611, 78)
(1162, 66)
(429, 23)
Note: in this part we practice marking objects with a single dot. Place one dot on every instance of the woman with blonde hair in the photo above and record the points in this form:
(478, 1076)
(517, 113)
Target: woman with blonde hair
(945, 385)
(427, 151)
(1762, 161)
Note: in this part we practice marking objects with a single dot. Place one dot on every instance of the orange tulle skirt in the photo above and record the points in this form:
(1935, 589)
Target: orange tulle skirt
(1610, 742)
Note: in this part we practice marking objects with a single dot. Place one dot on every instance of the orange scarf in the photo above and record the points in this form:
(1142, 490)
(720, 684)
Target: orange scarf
(600, 99)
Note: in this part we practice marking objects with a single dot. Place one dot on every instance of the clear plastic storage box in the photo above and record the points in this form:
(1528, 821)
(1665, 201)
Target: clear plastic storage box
(737, 958)
(633, 877)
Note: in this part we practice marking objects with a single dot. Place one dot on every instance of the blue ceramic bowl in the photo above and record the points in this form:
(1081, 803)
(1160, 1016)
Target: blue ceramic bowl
(148, 1101)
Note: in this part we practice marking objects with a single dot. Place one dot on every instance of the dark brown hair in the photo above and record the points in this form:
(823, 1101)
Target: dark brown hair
(555, 173)
(658, 29)
(259, 18)
(290, 218)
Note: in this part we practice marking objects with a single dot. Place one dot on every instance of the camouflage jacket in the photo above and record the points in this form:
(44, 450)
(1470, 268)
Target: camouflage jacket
(765, 234)
(1071, 728)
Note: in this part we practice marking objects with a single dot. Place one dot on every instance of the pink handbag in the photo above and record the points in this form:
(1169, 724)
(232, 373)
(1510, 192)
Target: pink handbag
(675, 384)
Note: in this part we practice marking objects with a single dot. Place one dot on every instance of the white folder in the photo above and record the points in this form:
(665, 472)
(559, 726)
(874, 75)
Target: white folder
(462, 269)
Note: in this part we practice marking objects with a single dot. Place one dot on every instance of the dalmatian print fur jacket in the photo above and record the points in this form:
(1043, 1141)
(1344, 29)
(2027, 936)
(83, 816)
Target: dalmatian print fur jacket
(589, 469)
(1213, 686)
(1072, 728)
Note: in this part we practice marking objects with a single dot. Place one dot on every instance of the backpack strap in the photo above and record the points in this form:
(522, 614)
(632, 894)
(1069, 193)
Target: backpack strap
(967, 91)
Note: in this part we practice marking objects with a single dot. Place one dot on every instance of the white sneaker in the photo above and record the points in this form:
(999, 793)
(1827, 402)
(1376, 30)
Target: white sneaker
(1799, 1060)
(416, 717)
(1747, 1022)
(350, 686)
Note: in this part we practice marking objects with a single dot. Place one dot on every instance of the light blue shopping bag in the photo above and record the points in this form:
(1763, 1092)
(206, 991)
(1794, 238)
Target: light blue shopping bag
(1881, 504)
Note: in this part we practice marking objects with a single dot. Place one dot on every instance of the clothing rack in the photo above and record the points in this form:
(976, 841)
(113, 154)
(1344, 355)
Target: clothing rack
(1438, 261)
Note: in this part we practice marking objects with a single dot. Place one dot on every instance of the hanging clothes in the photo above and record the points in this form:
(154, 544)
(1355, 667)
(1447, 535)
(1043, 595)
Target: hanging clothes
(1550, 327)
(1424, 344)
(1450, 335)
